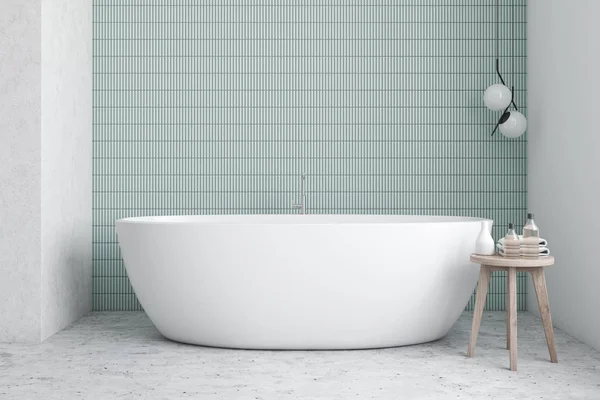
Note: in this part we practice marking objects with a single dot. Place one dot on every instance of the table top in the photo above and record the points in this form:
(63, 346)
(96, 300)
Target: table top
(499, 261)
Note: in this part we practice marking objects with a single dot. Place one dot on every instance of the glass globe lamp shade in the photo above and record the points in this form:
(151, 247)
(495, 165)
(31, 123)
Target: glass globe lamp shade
(497, 97)
(514, 126)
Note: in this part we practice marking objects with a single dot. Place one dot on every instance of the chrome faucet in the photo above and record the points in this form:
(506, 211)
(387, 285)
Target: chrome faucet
(302, 205)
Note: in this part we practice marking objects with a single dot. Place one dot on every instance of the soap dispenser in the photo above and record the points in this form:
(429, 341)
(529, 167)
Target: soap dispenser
(512, 244)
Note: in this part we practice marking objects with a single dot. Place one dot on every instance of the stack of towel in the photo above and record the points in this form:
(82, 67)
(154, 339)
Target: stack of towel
(524, 250)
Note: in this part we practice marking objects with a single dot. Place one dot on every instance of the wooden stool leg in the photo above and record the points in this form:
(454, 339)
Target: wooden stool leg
(507, 316)
(512, 300)
(485, 274)
(539, 282)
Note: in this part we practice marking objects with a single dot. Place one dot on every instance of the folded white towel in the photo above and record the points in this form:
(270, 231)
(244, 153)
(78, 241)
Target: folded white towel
(509, 249)
(503, 254)
(543, 242)
(507, 252)
(543, 251)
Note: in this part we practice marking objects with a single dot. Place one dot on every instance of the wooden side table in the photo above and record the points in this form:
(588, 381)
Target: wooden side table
(535, 267)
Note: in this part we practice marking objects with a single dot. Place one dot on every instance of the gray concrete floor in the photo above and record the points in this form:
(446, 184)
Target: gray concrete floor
(121, 355)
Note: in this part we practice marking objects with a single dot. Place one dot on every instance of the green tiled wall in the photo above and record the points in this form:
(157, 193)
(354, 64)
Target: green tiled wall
(217, 108)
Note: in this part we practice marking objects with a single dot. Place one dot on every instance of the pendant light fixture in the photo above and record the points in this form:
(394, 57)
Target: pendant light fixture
(512, 123)
(498, 96)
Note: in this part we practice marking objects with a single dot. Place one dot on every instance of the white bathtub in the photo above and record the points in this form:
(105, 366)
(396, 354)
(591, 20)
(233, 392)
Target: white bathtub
(301, 281)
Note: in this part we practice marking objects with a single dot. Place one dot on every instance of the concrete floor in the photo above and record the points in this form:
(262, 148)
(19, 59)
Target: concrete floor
(121, 355)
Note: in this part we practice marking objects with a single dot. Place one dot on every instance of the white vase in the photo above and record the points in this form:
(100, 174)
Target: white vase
(485, 245)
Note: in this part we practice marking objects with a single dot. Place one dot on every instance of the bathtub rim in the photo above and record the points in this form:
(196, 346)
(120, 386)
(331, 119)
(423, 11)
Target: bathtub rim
(297, 219)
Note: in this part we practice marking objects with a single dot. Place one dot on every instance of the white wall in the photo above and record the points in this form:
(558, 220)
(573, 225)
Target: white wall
(20, 163)
(66, 162)
(564, 156)
(46, 166)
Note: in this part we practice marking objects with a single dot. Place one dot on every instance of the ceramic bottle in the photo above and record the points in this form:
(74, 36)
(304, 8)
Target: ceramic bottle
(484, 245)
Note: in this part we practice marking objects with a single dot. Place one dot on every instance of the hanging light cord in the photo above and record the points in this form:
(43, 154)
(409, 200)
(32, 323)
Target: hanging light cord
(512, 100)
(506, 114)
(512, 49)
(498, 42)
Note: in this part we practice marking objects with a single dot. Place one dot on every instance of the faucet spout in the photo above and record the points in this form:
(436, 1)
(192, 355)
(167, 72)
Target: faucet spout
(302, 205)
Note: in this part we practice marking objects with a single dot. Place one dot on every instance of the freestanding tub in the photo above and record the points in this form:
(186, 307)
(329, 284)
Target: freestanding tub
(301, 281)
